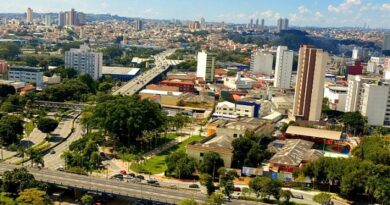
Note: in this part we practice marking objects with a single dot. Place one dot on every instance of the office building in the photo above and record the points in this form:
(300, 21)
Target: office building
(29, 15)
(83, 60)
(386, 42)
(26, 74)
(250, 25)
(139, 25)
(262, 62)
(61, 19)
(206, 66)
(355, 89)
(309, 90)
(195, 25)
(73, 17)
(283, 67)
(257, 24)
(262, 23)
(202, 23)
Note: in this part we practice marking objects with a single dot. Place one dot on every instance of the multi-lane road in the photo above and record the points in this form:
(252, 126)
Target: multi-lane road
(144, 78)
(53, 159)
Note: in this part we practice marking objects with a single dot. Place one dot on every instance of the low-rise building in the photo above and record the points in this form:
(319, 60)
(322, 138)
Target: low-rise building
(26, 74)
(238, 82)
(283, 104)
(291, 154)
(337, 97)
(220, 144)
(184, 86)
(237, 128)
(120, 73)
(55, 79)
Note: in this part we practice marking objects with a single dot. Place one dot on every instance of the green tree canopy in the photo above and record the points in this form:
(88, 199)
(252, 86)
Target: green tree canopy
(6, 90)
(47, 125)
(211, 163)
(180, 165)
(322, 198)
(11, 128)
(33, 196)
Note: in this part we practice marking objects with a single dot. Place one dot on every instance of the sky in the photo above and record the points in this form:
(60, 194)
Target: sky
(321, 13)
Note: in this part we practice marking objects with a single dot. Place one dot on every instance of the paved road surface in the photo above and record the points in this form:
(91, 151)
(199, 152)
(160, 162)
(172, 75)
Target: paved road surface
(54, 161)
(144, 78)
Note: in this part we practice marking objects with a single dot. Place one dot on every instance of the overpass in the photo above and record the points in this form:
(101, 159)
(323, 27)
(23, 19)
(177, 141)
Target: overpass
(118, 188)
(139, 82)
(59, 105)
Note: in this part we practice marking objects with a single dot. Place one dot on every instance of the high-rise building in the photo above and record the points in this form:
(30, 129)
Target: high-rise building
(257, 24)
(386, 42)
(374, 104)
(309, 89)
(67, 19)
(83, 60)
(283, 67)
(47, 21)
(195, 25)
(80, 19)
(139, 25)
(250, 26)
(206, 66)
(282, 24)
(61, 19)
(355, 90)
(262, 62)
(262, 23)
(202, 23)
(29, 15)
(73, 17)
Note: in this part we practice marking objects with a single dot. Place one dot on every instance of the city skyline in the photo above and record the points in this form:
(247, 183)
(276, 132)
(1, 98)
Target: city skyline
(334, 13)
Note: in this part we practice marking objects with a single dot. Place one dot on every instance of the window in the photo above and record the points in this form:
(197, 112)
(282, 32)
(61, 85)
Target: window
(201, 154)
(235, 135)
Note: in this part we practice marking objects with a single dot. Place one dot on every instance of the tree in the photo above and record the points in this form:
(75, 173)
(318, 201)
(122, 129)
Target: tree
(47, 125)
(228, 188)
(215, 199)
(6, 90)
(354, 122)
(180, 165)
(188, 202)
(17, 180)
(9, 51)
(256, 156)
(241, 147)
(207, 181)
(31, 61)
(255, 185)
(322, 198)
(87, 199)
(11, 127)
(89, 81)
(286, 195)
(33, 196)
(211, 163)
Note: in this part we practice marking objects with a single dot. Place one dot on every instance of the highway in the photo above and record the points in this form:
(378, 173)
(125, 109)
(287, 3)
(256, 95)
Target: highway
(144, 78)
(134, 190)
(54, 161)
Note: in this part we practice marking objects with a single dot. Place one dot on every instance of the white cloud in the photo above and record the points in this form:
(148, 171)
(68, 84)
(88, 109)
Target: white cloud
(386, 6)
(319, 14)
(303, 9)
(344, 7)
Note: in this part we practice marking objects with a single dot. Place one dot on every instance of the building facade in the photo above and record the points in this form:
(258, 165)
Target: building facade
(29, 15)
(26, 74)
(85, 61)
(283, 67)
(262, 62)
(206, 66)
(355, 90)
(309, 90)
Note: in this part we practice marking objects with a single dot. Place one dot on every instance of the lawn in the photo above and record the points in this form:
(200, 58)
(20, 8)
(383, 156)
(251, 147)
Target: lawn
(156, 164)
(29, 127)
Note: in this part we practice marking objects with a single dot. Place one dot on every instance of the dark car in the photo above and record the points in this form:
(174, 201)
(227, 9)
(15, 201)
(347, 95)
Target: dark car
(140, 177)
(298, 196)
(131, 174)
(151, 181)
(52, 152)
(117, 177)
(194, 186)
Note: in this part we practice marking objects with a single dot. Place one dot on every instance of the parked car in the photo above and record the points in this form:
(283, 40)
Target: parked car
(194, 186)
(140, 177)
(52, 152)
(61, 169)
(127, 177)
(135, 180)
(131, 174)
(117, 177)
(151, 181)
(298, 196)
(123, 172)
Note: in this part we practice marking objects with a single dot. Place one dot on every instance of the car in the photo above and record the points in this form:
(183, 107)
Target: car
(117, 177)
(123, 172)
(131, 174)
(194, 186)
(172, 186)
(140, 177)
(61, 169)
(155, 184)
(298, 196)
(135, 180)
(151, 181)
(52, 152)
(127, 177)
(237, 188)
